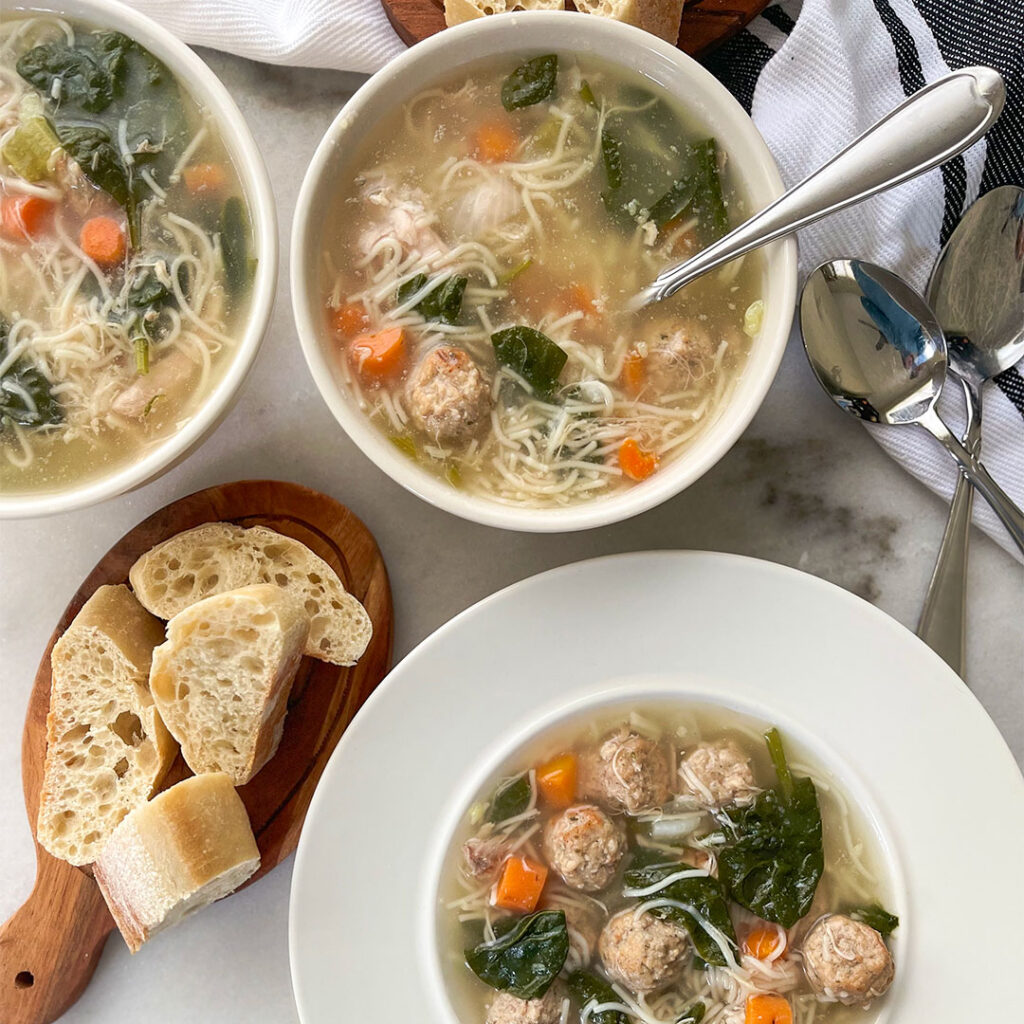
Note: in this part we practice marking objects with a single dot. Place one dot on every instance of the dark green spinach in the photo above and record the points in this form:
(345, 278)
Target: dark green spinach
(611, 151)
(589, 988)
(443, 302)
(146, 297)
(530, 82)
(234, 246)
(708, 201)
(674, 201)
(527, 958)
(511, 797)
(82, 79)
(95, 152)
(693, 1014)
(534, 356)
(704, 893)
(877, 917)
(772, 858)
(25, 395)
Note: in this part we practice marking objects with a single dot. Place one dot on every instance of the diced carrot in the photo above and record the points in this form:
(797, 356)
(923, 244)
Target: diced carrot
(102, 239)
(634, 374)
(768, 1009)
(350, 319)
(205, 179)
(556, 780)
(24, 217)
(577, 297)
(496, 142)
(520, 884)
(378, 355)
(636, 463)
(764, 941)
(684, 244)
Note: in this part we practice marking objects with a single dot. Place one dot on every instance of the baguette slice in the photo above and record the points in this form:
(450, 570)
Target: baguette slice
(661, 17)
(221, 681)
(458, 11)
(218, 557)
(107, 748)
(187, 847)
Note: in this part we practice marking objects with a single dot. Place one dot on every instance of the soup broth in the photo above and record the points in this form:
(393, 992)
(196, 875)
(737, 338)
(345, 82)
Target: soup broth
(683, 832)
(478, 264)
(126, 253)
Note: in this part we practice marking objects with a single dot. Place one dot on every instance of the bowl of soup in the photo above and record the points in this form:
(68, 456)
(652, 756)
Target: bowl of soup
(467, 240)
(138, 253)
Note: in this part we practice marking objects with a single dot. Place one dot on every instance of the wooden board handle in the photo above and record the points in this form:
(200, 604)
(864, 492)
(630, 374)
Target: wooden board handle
(50, 947)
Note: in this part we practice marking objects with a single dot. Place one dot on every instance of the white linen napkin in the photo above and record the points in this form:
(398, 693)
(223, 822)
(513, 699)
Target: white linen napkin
(814, 74)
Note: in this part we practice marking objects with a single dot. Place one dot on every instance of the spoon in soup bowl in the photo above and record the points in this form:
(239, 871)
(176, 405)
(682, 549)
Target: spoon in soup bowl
(932, 126)
(879, 352)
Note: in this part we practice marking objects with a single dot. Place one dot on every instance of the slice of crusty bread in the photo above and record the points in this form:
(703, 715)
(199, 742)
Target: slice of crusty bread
(107, 749)
(221, 681)
(218, 557)
(662, 17)
(187, 847)
(458, 11)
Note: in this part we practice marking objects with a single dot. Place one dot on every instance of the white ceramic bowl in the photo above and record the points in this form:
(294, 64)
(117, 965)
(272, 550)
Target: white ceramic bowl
(207, 90)
(709, 103)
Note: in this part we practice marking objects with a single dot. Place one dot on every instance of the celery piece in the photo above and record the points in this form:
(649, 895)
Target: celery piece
(28, 150)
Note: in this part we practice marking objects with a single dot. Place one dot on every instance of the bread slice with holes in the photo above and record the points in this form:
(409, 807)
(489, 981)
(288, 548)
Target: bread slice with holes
(661, 17)
(458, 11)
(217, 557)
(222, 679)
(178, 853)
(107, 748)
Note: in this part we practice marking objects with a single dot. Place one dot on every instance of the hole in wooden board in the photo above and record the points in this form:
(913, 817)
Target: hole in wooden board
(24, 979)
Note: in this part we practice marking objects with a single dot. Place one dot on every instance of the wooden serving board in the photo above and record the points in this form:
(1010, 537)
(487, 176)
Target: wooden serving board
(706, 23)
(50, 947)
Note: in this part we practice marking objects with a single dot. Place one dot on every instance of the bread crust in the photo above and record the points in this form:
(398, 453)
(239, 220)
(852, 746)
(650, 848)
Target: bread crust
(660, 17)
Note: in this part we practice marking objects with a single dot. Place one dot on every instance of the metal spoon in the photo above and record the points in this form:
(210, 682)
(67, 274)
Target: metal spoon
(977, 293)
(878, 350)
(932, 126)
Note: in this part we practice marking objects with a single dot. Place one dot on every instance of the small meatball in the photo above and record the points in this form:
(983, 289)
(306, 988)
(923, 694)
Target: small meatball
(485, 207)
(404, 218)
(643, 953)
(584, 846)
(847, 960)
(449, 398)
(483, 857)
(168, 379)
(679, 354)
(510, 1009)
(718, 773)
(626, 771)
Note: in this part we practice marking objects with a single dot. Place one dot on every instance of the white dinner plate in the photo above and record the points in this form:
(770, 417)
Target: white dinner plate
(912, 745)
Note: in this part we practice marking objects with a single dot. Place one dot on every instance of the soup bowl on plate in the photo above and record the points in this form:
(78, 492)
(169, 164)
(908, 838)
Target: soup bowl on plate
(137, 300)
(465, 245)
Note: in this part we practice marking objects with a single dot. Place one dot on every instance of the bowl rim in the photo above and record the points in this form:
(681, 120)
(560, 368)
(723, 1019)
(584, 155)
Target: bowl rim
(211, 94)
(607, 38)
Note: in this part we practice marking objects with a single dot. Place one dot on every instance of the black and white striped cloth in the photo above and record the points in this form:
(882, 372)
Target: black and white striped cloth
(813, 74)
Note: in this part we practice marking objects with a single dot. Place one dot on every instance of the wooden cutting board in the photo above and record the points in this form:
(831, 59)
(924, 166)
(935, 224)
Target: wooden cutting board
(706, 23)
(50, 947)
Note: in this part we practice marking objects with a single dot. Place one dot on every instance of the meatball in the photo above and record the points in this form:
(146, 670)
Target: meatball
(510, 1009)
(643, 953)
(678, 354)
(718, 773)
(627, 771)
(449, 398)
(846, 960)
(584, 846)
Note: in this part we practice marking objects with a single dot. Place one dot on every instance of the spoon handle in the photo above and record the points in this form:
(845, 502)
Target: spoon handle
(1009, 514)
(942, 625)
(932, 126)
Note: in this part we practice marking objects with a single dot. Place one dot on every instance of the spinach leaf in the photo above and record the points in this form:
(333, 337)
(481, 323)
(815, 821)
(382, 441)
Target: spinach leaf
(704, 893)
(145, 299)
(530, 83)
(512, 797)
(534, 356)
(674, 201)
(708, 201)
(527, 958)
(611, 150)
(444, 302)
(773, 855)
(587, 95)
(877, 917)
(589, 988)
(99, 159)
(82, 79)
(25, 395)
(234, 246)
(693, 1014)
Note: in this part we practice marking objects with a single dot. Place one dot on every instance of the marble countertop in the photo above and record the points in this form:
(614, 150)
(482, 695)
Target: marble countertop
(805, 486)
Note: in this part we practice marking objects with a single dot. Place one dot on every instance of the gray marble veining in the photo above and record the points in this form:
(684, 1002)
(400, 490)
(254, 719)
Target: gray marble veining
(805, 486)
